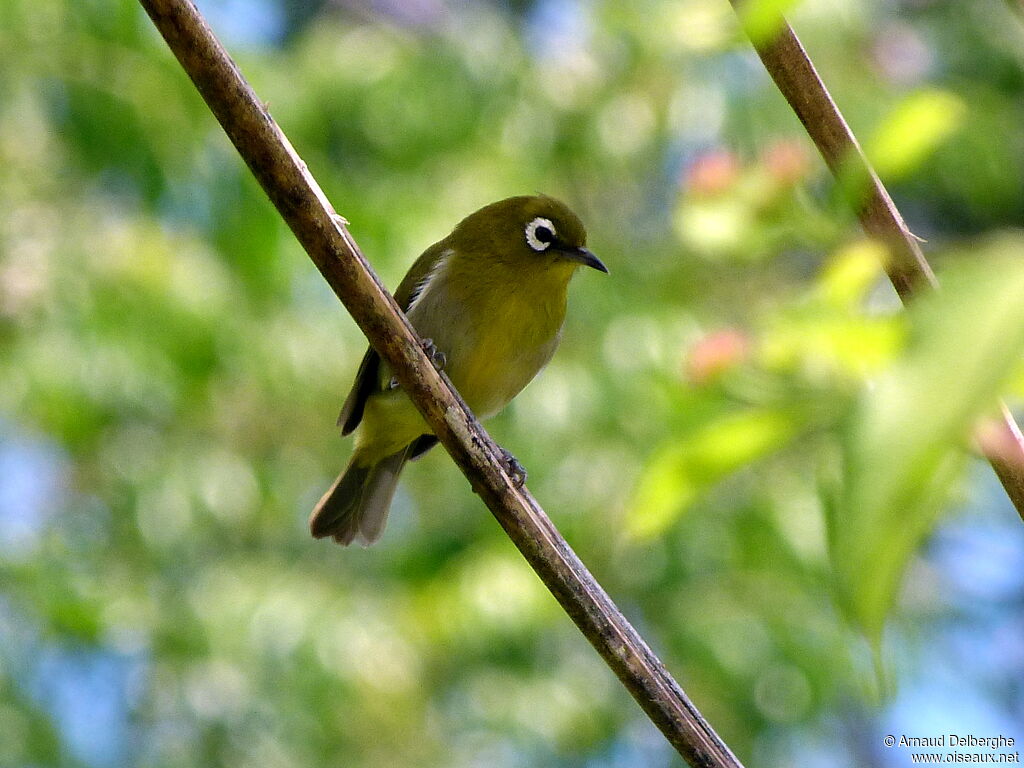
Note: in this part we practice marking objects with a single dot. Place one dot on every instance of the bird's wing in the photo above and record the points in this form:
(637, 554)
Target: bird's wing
(368, 379)
(365, 383)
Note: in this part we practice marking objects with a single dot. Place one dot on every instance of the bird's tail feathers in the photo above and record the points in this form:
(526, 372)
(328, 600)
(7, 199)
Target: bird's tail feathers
(356, 507)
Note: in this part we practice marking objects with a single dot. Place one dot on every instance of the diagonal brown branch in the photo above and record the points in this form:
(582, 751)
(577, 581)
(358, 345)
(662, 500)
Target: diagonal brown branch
(323, 234)
(794, 74)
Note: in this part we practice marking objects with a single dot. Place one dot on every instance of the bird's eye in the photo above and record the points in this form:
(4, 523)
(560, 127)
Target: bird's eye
(540, 233)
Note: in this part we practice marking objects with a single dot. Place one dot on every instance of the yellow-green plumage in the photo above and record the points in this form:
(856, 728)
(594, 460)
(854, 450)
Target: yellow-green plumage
(493, 304)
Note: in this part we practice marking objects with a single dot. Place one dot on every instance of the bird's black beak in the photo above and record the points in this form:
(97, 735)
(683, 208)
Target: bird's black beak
(585, 257)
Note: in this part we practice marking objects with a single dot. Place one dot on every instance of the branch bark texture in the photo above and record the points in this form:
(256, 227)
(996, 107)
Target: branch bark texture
(793, 72)
(326, 239)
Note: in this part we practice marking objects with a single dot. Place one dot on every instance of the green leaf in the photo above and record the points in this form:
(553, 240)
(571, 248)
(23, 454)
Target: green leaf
(913, 131)
(762, 19)
(681, 470)
(904, 445)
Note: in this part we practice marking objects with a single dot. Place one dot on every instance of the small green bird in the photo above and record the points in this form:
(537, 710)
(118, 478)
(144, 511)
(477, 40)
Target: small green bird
(490, 298)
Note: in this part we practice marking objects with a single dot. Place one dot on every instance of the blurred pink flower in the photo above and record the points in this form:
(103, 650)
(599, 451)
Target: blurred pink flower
(787, 161)
(712, 172)
(714, 354)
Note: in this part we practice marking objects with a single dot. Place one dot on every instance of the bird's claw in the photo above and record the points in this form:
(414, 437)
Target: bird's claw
(515, 470)
(436, 356)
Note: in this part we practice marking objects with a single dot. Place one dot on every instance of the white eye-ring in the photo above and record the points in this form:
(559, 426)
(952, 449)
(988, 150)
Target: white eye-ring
(540, 233)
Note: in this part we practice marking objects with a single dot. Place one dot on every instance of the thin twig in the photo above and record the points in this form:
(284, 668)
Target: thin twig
(326, 239)
(794, 74)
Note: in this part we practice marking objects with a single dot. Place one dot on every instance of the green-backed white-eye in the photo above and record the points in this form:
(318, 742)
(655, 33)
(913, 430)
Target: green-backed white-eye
(491, 298)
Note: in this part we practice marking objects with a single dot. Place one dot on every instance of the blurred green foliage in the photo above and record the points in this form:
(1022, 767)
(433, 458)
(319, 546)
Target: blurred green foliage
(903, 443)
(171, 366)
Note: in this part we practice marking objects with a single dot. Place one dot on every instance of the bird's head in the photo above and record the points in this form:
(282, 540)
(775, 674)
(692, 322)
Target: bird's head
(534, 231)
